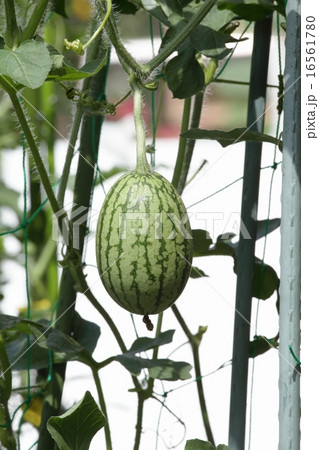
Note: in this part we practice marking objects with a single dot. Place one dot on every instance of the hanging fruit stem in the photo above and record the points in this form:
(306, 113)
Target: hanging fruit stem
(142, 164)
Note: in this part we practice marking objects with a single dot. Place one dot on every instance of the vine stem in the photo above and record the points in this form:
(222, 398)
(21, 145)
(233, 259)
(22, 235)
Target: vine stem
(179, 39)
(102, 403)
(124, 56)
(31, 142)
(70, 153)
(158, 331)
(186, 146)
(201, 394)
(145, 70)
(140, 407)
(12, 33)
(149, 391)
(100, 28)
(75, 131)
(80, 278)
(241, 83)
(182, 142)
(142, 165)
(190, 143)
(195, 342)
(34, 20)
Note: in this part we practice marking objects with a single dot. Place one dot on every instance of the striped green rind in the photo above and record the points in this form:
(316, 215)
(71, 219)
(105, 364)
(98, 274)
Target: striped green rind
(144, 247)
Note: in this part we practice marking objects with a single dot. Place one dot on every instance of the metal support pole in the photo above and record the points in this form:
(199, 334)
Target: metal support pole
(246, 248)
(290, 260)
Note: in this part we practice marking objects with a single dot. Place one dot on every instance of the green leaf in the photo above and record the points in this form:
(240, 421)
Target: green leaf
(184, 75)
(63, 70)
(76, 428)
(166, 369)
(261, 345)
(172, 10)
(35, 358)
(203, 244)
(59, 7)
(197, 273)
(264, 227)
(225, 247)
(85, 333)
(145, 343)
(22, 350)
(59, 342)
(226, 138)
(266, 281)
(211, 43)
(222, 447)
(125, 6)
(19, 324)
(171, 7)
(32, 351)
(250, 10)
(43, 338)
(64, 345)
(171, 34)
(151, 6)
(197, 444)
(28, 65)
(162, 369)
(217, 19)
(47, 337)
(201, 240)
(134, 364)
